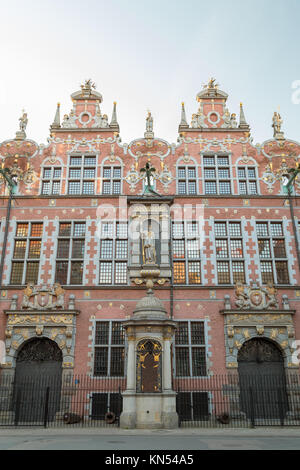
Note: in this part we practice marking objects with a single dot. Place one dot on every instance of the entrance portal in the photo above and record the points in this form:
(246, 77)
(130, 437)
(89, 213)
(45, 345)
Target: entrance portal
(262, 380)
(38, 368)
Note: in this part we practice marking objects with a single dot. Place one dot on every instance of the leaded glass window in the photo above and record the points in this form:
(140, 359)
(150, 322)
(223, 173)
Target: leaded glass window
(70, 253)
(26, 254)
(109, 350)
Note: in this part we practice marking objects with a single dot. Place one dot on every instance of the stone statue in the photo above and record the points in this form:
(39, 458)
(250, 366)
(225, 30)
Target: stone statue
(100, 120)
(212, 84)
(194, 122)
(69, 121)
(23, 122)
(104, 120)
(149, 123)
(227, 119)
(277, 123)
(233, 121)
(88, 85)
(149, 252)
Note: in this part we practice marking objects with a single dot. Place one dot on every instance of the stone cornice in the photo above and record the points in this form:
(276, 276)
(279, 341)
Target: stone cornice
(252, 311)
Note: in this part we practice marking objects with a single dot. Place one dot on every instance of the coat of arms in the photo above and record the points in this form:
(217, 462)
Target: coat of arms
(255, 297)
(43, 298)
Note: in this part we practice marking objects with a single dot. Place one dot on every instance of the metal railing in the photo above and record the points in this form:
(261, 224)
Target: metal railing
(232, 400)
(238, 400)
(73, 400)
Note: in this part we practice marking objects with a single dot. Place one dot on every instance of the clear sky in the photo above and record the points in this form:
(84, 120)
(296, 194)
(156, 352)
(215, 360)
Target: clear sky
(149, 55)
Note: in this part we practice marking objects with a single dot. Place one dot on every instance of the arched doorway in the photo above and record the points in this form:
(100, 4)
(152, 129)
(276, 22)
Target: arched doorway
(262, 380)
(38, 369)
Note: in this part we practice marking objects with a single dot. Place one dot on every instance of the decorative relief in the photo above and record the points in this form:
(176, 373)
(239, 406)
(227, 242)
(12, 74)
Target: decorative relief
(254, 297)
(242, 328)
(43, 298)
(37, 319)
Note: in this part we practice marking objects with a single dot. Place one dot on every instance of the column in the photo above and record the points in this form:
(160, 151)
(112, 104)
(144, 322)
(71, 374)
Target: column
(167, 376)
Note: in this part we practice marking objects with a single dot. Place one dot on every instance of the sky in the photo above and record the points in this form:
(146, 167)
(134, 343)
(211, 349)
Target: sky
(149, 55)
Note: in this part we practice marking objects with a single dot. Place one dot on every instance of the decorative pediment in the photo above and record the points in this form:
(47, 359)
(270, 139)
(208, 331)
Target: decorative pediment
(43, 297)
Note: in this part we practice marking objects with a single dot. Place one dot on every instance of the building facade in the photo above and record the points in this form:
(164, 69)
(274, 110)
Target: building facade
(223, 238)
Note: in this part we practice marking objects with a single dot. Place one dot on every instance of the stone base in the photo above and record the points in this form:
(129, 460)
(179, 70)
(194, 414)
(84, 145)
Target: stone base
(20, 135)
(128, 420)
(170, 420)
(149, 411)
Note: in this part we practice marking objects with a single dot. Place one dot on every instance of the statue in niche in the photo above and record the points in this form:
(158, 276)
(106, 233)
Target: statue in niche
(148, 244)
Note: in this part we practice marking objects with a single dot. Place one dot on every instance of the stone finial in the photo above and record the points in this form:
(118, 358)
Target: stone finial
(227, 303)
(243, 123)
(285, 302)
(71, 305)
(114, 121)
(14, 302)
(56, 122)
(183, 121)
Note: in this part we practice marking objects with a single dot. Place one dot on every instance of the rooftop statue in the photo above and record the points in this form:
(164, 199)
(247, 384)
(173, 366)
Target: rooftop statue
(277, 123)
(88, 85)
(149, 123)
(211, 84)
(23, 121)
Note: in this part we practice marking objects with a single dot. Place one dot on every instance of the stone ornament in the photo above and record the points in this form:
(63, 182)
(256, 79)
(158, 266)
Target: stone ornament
(254, 297)
(43, 298)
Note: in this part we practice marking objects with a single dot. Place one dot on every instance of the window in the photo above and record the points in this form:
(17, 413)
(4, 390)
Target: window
(272, 253)
(193, 406)
(186, 253)
(247, 180)
(229, 252)
(109, 349)
(216, 175)
(51, 178)
(190, 352)
(111, 180)
(103, 402)
(82, 175)
(113, 253)
(187, 180)
(27, 251)
(70, 253)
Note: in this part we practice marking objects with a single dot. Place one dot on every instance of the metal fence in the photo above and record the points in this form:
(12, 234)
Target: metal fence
(59, 401)
(238, 400)
(232, 400)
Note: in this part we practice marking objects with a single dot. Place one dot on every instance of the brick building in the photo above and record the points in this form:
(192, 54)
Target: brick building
(225, 230)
